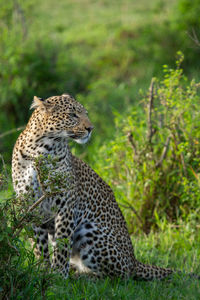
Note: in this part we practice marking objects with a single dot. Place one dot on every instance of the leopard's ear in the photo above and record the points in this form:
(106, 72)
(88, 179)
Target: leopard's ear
(39, 102)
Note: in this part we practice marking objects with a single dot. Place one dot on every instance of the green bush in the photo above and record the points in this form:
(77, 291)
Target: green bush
(21, 275)
(154, 159)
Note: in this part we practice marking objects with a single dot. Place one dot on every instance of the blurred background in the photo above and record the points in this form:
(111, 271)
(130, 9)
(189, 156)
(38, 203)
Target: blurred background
(104, 53)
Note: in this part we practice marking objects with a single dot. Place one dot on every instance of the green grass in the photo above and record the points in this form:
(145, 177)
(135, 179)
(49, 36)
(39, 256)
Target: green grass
(179, 288)
(116, 43)
(175, 248)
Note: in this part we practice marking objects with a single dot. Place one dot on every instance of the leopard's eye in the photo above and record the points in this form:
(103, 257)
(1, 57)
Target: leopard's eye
(73, 115)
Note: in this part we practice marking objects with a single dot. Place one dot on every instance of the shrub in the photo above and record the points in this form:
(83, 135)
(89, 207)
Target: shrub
(21, 275)
(153, 162)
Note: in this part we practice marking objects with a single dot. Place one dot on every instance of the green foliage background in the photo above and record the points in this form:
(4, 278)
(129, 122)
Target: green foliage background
(102, 52)
(105, 53)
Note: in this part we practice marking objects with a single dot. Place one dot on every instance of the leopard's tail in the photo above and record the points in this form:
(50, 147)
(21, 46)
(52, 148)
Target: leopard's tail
(148, 272)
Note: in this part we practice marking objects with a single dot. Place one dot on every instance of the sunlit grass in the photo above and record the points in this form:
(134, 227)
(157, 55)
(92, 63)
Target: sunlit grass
(169, 248)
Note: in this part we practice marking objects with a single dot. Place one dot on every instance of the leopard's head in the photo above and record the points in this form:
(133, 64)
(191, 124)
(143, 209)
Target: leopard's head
(63, 116)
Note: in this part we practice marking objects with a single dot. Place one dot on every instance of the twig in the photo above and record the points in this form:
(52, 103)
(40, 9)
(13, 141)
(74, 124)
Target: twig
(164, 152)
(182, 161)
(13, 247)
(181, 154)
(4, 178)
(11, 131)
(32, 207)
(194, 37)
(181, 226)
(150, 131)
(130, 138)
(4, 166)
(134, 210)
(183, 164)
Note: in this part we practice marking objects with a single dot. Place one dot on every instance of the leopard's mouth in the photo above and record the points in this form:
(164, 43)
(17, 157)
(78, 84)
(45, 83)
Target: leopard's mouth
(84, 139)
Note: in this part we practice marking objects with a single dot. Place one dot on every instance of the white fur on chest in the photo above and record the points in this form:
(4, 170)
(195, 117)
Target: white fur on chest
(28, 181)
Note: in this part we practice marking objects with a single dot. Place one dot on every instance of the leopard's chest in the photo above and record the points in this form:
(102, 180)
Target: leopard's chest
(26, 181)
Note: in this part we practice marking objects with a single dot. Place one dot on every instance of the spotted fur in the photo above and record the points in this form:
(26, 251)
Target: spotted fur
(83, 212)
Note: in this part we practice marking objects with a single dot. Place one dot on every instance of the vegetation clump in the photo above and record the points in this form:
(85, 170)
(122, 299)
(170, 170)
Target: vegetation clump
(159, 152)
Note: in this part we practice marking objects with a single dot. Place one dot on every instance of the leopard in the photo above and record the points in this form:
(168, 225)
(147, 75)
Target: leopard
(81, 218)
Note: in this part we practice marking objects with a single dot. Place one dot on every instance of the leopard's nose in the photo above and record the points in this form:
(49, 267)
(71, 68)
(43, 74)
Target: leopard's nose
(89, 128)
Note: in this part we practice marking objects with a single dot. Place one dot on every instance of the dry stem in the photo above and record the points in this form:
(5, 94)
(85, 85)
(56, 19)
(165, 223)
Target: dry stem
(164, 152)
(130, 138)
(32, 207)
(134, 210)
(150, 131)
(11, 131)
